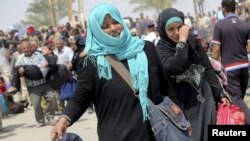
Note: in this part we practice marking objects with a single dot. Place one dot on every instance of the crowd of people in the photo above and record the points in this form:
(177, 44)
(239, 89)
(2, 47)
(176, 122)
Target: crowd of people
(28, 64)
(165, 57)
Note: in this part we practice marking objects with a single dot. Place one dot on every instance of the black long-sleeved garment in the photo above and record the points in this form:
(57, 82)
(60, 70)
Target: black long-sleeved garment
(175, 62)
(118, 111)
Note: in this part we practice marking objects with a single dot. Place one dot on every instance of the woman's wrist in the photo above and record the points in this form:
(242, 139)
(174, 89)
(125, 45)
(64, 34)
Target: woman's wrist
(65, 120)
(181, 44)
(221, 96)
(183, 40)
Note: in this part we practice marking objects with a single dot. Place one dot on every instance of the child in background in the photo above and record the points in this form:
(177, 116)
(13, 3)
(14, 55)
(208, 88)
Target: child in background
(3, 103)
(3, 106)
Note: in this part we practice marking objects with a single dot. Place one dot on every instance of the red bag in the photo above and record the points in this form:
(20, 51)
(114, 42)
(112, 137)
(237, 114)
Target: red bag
(230, 115)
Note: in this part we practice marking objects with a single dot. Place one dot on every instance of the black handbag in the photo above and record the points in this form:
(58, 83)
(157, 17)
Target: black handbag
(166, 119)
(59, 77)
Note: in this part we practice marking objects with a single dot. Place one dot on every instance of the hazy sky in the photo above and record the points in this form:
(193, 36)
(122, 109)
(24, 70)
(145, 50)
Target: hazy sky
(12, 11)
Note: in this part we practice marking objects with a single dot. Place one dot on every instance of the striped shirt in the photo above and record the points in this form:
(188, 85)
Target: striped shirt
(35, 59)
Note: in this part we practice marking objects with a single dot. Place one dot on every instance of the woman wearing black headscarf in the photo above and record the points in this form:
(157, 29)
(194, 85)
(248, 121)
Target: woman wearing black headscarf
(189, 69)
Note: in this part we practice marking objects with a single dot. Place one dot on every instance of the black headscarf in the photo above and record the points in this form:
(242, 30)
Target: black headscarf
(80, 41)
(164, 16)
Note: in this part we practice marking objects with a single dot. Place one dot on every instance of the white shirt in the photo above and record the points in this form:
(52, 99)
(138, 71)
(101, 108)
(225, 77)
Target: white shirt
(150, 37)
(64, 56)
(3, 58)
(187, 21)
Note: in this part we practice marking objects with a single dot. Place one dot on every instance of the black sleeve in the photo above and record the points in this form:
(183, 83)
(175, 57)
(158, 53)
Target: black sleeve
(15, 79)
(83, 95)
(157, 78)
(173, 62)
(74, 61)
(211, 78)
(77, 61)
(199, 56)
(51, 59)
(32, 72)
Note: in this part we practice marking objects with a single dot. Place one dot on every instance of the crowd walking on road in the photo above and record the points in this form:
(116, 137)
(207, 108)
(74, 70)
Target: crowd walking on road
(63, 70)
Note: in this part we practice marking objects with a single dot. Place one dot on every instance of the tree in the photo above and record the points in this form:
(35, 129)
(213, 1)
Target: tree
(200, 6)
(157, 5)
(40, 12)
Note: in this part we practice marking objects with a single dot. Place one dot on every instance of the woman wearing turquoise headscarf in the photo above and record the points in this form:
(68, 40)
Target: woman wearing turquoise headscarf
(121, 116)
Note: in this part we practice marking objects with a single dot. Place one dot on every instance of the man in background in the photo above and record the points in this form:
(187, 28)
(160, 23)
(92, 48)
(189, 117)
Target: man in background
(231, 43)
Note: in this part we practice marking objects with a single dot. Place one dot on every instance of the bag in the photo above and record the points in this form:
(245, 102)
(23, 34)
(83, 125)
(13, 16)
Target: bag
(32, 72)
(166, 119)
(14, 107)
(168, 122)
(59, 77)
(71, 137)
(68, 136)
(230, 115)
(67, 90)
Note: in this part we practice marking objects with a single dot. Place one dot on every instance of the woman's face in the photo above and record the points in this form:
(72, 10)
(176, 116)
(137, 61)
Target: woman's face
(46, 51)
(111, 27)
(73, 46)
(172, 31)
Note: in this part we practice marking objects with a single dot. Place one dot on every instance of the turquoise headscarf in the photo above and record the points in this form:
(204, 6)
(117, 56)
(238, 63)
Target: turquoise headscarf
(99, 44)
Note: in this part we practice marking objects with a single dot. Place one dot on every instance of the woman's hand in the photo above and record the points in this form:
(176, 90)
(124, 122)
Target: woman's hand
(183, 33)
(69, 66)
(60, 128)
(225, 102)
(82, 54)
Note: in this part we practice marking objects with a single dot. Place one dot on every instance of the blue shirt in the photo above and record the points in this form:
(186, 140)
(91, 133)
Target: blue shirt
(232, 34)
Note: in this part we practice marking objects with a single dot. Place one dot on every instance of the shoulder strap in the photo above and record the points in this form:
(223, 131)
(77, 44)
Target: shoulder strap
(166, 106)
(121, 70)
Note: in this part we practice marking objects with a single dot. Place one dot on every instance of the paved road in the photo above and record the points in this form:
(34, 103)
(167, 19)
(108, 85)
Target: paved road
(22, 128)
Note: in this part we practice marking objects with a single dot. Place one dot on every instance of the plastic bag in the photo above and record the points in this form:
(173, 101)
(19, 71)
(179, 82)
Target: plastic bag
(230, 115)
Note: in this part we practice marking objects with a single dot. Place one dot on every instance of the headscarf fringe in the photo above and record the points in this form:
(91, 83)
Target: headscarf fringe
(144, 104)
(104, 68)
